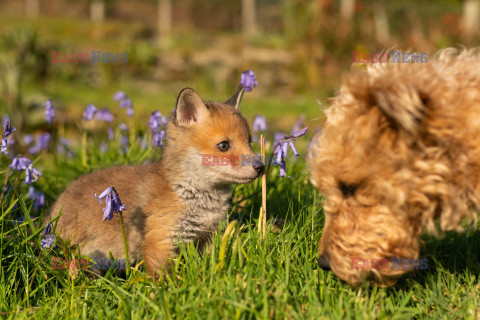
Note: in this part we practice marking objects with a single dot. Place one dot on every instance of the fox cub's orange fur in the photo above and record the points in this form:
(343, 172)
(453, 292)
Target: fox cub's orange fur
(175, 199)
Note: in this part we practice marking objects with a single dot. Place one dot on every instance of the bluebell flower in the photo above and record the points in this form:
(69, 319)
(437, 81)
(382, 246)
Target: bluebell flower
(125, 103)
(28, 139)
(43, 139)
(8, 128)
(48, 241)
(89, 112)
(156, 121)
(37, 197)
(119, 95)
(48, 229)
(20, 219)
(129, 111)
(48, 238)
(31, 174)
(298, 124)
(49, 112)
(125, 142)
(122, 126)
(3, 148)
(259, 123)
(248, 80)
(20, 163)
(112, 203)
(103, 147)
(283, 169)
(157, 139)
(111, 135)
(299, 133)
(104, 115)
(282, 143)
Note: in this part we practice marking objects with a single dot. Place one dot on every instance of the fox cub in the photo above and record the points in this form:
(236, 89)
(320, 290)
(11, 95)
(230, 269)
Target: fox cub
(182, 197)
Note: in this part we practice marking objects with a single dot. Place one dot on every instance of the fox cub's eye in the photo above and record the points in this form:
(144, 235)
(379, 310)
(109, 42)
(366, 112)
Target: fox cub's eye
(348, 190)
(223, 146)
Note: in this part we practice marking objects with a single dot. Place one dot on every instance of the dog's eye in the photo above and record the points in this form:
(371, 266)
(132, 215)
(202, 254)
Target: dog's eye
(223, 146)
(348, 190)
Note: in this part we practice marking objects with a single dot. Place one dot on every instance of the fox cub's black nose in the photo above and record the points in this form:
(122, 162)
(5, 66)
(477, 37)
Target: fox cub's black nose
(258, 165)
(324, 261)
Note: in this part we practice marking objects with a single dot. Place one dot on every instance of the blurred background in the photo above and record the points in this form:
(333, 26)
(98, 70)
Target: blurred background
(299, 50)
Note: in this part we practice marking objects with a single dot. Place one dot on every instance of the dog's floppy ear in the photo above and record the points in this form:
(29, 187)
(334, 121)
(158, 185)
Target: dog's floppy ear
(401, 103)
(235, 100)
(190, 108)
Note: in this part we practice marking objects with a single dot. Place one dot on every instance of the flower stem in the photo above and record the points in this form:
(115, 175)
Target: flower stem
(264, 189)
(125, 246)
(84, 148)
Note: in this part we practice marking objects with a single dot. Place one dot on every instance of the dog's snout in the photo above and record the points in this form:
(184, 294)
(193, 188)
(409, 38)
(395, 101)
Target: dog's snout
(258, 165)
(324, 261)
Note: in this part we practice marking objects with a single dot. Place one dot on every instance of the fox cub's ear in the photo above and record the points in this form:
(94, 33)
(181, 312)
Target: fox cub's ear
(190, 108)
(235, 100)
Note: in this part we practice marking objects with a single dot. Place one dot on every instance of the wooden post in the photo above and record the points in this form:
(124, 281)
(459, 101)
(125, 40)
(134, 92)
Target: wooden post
(381, 22)
(164, 20)
(471, 17)
(32, 8)
(97, 10)
(249, 19)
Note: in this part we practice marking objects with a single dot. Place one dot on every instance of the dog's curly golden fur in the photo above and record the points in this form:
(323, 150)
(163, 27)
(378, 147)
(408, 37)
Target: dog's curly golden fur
(400, 149)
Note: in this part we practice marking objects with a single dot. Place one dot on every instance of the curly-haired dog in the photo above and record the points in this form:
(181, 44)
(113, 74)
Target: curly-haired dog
(400, 150)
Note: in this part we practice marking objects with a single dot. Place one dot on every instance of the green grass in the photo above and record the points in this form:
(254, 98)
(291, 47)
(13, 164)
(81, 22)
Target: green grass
(277, 277)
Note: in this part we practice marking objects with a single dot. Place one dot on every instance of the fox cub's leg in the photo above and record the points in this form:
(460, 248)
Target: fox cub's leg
(157, 254)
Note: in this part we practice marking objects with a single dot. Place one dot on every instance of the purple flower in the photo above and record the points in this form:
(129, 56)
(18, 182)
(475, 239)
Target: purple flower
(119, 95)
(31, 174)
(49, 112)
(157, 120)
(282, 143)
(21, 163)
(48, 241)
(112, 203)
(38, 200)
(8, 128)
(129, 111)
(125, 142)
(290, 144)
(298, 124)
(3, 148)
(283, 169)
(48, 229)
(103, 147)
(89, 112)
(248, 80)
(111, 135)
(43, 139)
(28, 139)
(125, 103)
(122, 126)
(300, 133)
(157, 139)
(104, 115)
(20, 219)
(259, 123)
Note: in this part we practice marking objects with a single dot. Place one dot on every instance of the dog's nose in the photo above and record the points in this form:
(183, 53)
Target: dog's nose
(258, 165)
(324, 261)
